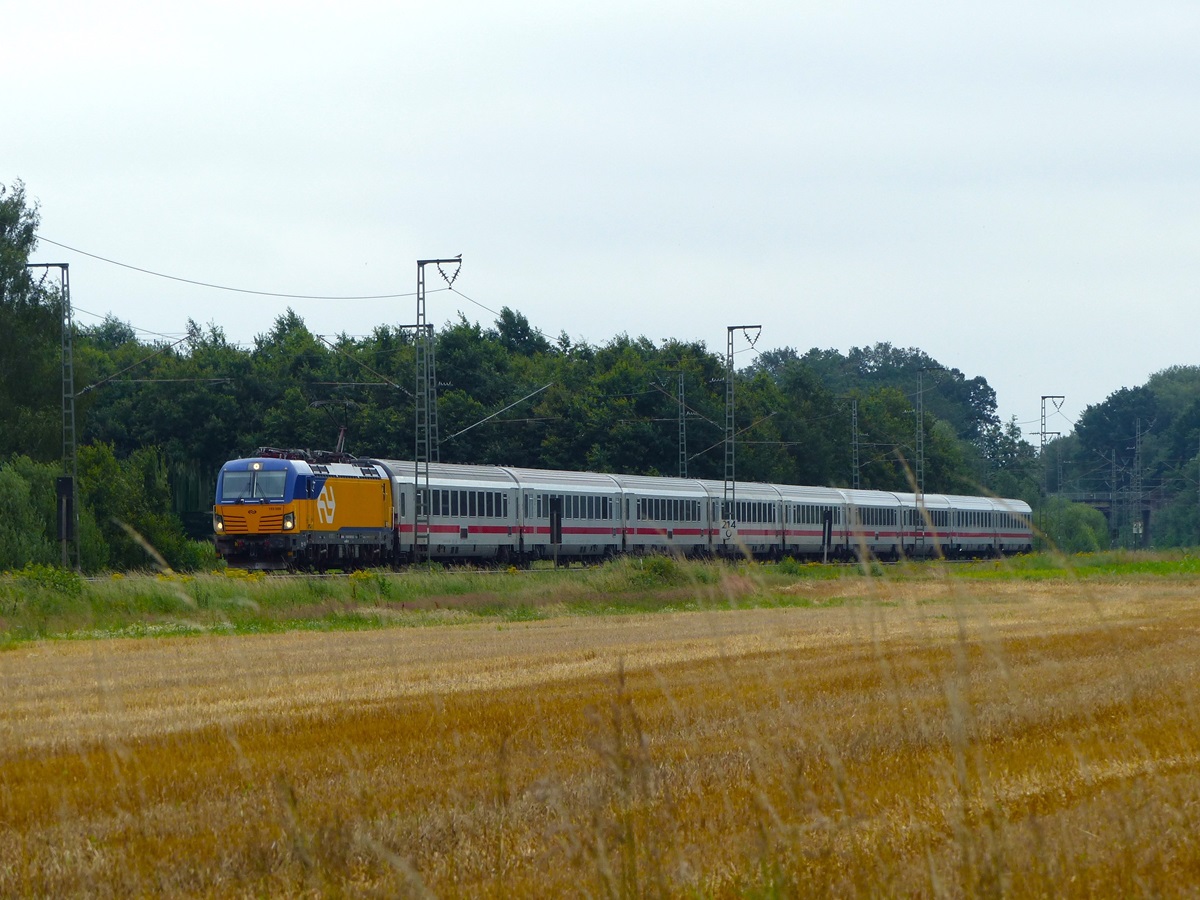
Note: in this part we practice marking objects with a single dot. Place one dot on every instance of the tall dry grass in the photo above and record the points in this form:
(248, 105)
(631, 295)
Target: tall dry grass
(934, 737)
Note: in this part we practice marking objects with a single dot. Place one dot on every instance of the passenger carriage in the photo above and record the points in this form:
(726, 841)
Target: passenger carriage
(873, 523)
(1013, 526)
(472, 511)
(973, 530)
(567, 515)
(814, 521)
(924, 526)
(753, 526)
(664, 515)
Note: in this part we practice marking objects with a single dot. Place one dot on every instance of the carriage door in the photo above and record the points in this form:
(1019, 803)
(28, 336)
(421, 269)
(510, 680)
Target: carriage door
(826, 532)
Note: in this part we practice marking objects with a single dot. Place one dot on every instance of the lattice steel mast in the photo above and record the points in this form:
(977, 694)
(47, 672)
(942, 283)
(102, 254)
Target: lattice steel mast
(682, 431)
(856, 480)
(729, 510)
(68, 487)
(426, 432)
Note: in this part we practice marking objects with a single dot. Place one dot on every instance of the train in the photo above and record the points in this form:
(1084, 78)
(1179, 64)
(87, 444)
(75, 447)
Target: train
(295, 510)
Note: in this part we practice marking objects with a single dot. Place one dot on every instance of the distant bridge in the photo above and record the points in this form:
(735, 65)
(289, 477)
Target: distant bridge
(1125, 506)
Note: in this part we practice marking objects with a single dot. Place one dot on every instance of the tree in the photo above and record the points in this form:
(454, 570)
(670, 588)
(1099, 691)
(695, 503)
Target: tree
(26, 526)
(30, 338)
(1073, 527)
(517, 336)
(1112, 426)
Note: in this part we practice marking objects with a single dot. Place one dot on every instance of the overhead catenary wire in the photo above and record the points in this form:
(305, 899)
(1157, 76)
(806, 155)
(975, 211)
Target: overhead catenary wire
(104, 381)
(378, 375)
(499, 411)
(236, 290)
(167, 336)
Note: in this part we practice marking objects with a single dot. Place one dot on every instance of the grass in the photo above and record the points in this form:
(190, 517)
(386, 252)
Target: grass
(44, 603)
(757, 731)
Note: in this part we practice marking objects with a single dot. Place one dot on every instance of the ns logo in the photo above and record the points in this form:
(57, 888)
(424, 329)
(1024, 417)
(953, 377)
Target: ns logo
(326, 504)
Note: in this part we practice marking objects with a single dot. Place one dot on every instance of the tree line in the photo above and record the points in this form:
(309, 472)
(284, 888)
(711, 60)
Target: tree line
(156, 419)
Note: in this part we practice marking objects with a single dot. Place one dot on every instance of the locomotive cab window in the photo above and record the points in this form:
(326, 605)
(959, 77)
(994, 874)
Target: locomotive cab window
(253, 485)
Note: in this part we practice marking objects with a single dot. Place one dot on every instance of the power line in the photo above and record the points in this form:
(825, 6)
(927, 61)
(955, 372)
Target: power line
(222, 287)
(455, 290)
(132, 327)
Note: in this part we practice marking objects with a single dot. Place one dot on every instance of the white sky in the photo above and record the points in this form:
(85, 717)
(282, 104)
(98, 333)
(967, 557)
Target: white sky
(1012, 187)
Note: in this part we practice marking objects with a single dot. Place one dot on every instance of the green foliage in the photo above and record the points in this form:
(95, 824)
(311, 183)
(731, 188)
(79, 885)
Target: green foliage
(51, 579)
(30, 337)
(1178, 523)
(131, 498)
(658, 571)
(1073, 527)
(27, 527)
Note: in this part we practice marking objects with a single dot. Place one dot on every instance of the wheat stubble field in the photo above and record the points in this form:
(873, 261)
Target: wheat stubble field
(926, 737)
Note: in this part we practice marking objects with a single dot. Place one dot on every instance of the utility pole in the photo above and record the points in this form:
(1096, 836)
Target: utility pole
(1114, 522)
(729, 502)
(921, 430)
(1136, 522)
(682, 431)
(68, 484)
(426, 433)
(1057, 400)
(855, 481)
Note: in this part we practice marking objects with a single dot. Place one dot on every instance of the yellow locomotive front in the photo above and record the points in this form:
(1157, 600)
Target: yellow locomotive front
(283, 513)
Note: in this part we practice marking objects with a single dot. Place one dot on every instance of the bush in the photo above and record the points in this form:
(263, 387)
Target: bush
(51, 579)
(25, 534)
(1073, 527)
(658, 571)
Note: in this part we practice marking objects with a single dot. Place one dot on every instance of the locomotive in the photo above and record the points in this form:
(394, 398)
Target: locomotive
(296, 510)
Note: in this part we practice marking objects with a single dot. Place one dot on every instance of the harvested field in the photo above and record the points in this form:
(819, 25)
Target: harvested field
(932, 738)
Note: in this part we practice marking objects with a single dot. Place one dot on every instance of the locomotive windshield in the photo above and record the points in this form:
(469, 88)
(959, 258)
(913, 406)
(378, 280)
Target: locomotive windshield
(252, 486)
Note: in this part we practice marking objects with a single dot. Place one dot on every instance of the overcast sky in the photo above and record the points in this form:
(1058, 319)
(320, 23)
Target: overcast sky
(1011, 187)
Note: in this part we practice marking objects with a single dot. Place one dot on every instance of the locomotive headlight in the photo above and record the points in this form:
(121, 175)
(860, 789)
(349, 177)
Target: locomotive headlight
(218, 523)
(289, 521)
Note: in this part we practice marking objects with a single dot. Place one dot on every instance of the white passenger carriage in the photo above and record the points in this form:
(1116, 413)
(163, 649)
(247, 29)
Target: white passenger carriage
(814, 521)
(1014, 525)
(568, 515)
(753, 526)
(924, 526)
(972, 532)
(665, 515)
(873, 523)
(472, 510)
